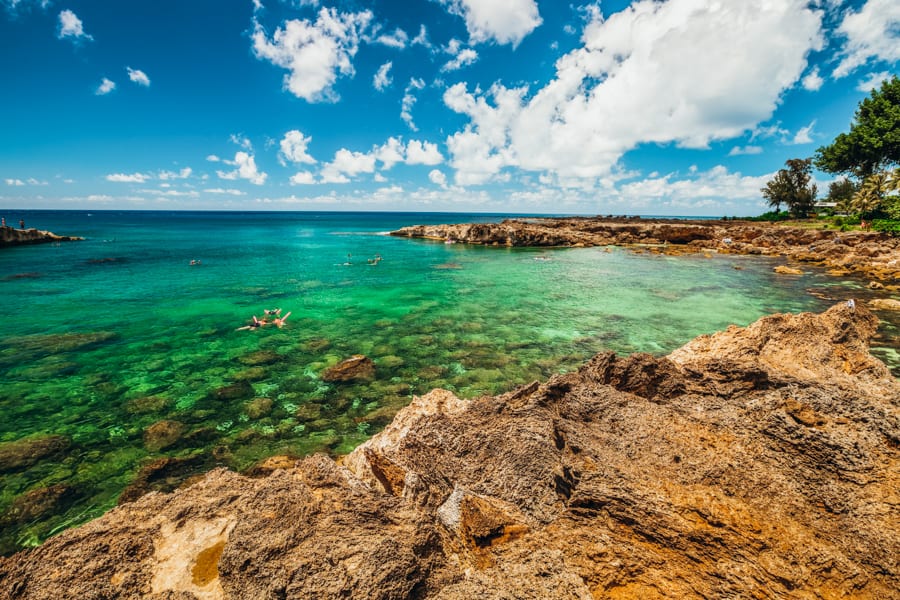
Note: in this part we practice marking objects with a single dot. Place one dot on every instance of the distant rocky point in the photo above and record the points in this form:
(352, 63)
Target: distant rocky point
(759, 462)
(10, 236)
(869, 254)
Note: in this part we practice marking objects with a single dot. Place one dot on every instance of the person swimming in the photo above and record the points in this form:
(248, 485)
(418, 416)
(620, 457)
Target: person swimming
(256, 324)
(279, 321)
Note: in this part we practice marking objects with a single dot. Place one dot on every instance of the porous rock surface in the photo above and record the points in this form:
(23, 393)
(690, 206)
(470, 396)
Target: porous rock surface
(871, 254)
(10, 236)
(758, 462)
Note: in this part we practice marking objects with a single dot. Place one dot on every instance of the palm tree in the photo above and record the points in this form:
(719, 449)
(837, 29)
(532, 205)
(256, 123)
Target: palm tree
(844, 206)
(872, 193)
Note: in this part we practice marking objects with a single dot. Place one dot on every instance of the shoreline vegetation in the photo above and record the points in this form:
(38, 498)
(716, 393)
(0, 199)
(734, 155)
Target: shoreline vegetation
(760, 461)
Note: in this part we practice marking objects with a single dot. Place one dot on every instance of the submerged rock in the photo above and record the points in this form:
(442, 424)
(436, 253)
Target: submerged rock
(164, 475)
(21, 454)
(235, 391)
(163, 434)
(39, 502)
(147, 404)
(260, 357)
(258, 407)
(356, 368)
(757, 462)
(786, 270)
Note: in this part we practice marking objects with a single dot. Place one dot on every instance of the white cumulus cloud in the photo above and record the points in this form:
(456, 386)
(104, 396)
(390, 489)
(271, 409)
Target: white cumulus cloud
(246, 169)
(872, 81)
(303, 178)
(872, 33)
(138, 76)
(71, 26)
(127, 178)
(226, 191)
(293, 148)
(348, 163)
(409, 100)
(680, 72)
(739, 150)
(105, 87)
(813, 81)
(182, 174)
(314, 54)
(390, 153)
(423, 153)
(503, 21)
(461, 56)
(398, 39)
(383, 78)
(437, 177)
(804, 134)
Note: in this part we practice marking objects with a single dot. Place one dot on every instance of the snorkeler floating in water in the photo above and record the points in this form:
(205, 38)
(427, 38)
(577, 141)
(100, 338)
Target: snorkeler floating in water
(278, 321)
(256, 324)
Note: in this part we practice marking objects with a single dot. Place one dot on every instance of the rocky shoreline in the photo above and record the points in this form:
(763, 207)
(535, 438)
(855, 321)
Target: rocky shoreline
(10, 236)
(757, 462)
(873, 255)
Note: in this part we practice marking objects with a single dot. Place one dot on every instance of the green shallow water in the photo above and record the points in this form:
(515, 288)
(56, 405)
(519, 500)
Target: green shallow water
(101, 339)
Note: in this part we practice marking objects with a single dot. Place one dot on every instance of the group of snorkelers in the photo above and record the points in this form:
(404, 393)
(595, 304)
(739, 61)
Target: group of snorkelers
(370, 261)
(270, 317)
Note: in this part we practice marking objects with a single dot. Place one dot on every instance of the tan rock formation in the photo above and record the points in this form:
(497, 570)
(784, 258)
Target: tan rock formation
(10, 236)
(758, 462)
(885, 304)
(786, 270)
(872, 254)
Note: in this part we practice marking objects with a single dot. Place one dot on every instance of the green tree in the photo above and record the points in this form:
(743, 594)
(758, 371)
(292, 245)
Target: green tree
(841, 190)
(792, 186)
(873, 142)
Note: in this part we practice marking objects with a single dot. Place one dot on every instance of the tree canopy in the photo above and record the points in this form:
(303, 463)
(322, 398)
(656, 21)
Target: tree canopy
(873, 142)
(792, 187)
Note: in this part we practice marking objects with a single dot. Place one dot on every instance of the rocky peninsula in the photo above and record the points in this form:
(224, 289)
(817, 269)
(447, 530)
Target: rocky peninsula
(868, 254)
(10, 236)
(757, 462)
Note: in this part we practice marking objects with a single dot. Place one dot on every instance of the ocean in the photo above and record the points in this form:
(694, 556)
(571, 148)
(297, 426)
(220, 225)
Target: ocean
(120, 352)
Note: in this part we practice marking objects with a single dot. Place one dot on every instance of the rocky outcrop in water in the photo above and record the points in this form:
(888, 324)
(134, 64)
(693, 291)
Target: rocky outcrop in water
(757, 462)
(10, 236)
(870, 254)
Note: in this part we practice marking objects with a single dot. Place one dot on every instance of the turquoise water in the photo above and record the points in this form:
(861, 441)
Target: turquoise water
(101, 339)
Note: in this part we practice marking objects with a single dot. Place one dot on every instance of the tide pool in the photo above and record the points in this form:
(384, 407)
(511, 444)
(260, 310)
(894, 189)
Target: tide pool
(102, 340)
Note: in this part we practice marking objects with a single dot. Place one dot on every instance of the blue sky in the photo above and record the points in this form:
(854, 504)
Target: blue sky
(675, 107)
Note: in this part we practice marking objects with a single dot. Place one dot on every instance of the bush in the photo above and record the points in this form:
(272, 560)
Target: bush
(771, 216)
(888, 226)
